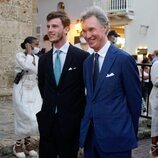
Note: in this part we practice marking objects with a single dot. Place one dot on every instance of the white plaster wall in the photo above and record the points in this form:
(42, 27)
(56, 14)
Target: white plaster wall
(73, 7)
(17, 21)
(145, 13)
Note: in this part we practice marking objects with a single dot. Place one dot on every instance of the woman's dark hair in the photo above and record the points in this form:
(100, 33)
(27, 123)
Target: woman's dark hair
(45, 38)
(29, 40)
(145, 61)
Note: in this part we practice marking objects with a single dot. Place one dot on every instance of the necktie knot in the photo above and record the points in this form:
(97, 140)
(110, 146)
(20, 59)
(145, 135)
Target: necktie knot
(58, 52)
(96, 56)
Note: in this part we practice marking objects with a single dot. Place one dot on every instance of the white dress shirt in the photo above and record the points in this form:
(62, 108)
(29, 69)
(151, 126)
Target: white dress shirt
(64, 50)
(102, 53)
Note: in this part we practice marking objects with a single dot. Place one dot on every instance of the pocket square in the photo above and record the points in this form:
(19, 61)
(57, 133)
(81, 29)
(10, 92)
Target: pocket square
(72, 68)
(110, 75)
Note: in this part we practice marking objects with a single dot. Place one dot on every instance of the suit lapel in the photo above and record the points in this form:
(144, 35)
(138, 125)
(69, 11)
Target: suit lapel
(89, 71)
(50, 66)
(67, 62)
(108, 61)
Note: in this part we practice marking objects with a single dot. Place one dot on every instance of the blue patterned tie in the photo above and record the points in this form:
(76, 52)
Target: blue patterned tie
(96, 69)
(57, 66)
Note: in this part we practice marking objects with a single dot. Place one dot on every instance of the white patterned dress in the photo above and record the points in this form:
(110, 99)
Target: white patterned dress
(26, 97)
(154, 99)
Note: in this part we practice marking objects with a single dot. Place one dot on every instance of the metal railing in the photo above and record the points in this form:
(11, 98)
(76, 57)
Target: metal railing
(119, 5)
(115, 5)
(146, 89)
(101, 3)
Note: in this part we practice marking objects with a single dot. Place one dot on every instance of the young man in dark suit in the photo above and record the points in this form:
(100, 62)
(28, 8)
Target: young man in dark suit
(62, 89)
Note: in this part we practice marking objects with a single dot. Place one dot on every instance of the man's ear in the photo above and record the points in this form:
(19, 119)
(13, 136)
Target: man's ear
(67, 29)
(104, 28)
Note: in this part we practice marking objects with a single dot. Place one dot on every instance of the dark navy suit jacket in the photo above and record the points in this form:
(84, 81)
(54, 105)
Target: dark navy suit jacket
(115, 104)
(68, 96)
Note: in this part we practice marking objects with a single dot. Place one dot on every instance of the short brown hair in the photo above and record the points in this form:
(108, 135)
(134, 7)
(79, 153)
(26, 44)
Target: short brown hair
(61, 15)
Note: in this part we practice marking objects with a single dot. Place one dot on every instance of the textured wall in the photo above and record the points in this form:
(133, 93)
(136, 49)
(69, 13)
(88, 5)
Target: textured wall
(17, 21)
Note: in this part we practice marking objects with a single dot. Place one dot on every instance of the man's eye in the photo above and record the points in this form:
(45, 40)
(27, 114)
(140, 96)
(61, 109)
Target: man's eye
(91, 30)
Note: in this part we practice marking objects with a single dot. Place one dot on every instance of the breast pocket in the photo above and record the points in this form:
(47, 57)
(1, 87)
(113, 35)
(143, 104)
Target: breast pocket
(111, 84)
(74, 73)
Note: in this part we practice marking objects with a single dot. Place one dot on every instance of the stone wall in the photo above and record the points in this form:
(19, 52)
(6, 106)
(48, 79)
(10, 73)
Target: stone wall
(17, 21)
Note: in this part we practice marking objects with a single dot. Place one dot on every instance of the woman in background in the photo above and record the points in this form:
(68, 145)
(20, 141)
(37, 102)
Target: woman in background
(26, 98)
(154, 110)
(46, 46)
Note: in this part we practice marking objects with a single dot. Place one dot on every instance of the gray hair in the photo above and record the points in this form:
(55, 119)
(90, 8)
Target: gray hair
(98, 13)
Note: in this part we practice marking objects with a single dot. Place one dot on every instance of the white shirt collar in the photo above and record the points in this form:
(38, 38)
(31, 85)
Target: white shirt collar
(64, 48)
(103, 51)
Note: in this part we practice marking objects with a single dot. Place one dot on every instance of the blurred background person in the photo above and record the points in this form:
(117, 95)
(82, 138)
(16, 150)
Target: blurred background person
(145, 76)
(155, 56)
(84, 45)
(151, 57)
(154, 110)
(46, 45)
(61, 7)
(146, 83)
(26, 98)
(135, 58)
(112, 36)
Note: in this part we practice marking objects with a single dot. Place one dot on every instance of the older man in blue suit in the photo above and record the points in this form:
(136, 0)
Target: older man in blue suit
(110, 123)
